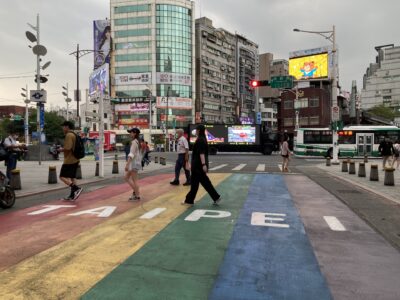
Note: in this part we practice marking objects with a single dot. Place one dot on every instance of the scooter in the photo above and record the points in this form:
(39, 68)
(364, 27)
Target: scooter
(7, 194)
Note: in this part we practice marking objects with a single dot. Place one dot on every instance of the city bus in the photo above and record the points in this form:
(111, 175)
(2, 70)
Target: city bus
(354, 141)
(122, 135)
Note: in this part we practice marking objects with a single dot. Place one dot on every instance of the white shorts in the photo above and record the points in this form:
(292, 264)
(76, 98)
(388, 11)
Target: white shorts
(133, 166)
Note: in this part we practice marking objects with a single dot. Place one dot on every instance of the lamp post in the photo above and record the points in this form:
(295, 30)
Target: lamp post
(78, 54)
(330, 35)
(150, 94)
(68, 100)
(26, 123)
(166, 123)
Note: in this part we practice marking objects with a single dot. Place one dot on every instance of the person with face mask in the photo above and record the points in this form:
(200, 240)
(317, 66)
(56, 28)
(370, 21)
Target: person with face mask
(14, 150)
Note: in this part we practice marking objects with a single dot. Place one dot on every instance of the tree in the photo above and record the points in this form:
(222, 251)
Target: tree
(52, 125)
(384, 112)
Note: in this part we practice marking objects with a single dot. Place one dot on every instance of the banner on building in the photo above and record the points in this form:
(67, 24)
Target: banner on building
(174, 102)
(132, 79)
(173, 78)
(102, 42)
(98, 81)
(132, 107)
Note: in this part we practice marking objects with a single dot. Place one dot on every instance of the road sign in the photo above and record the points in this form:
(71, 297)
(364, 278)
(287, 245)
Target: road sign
(335, 113)
(17, 117)
(92, 114)
(281, 82)
(258, 118)
(38, 96)
(41, 116)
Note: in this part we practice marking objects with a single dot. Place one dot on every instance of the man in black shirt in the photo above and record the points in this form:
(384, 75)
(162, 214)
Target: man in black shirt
(200, 169)
(386, 149)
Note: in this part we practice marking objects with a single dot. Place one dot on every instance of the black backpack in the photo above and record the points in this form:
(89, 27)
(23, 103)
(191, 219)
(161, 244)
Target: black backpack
(79, 149)
(3, 151)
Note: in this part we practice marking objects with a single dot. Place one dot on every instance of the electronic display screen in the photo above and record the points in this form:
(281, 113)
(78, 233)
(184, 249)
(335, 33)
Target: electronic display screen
(216, 134)
(241, 135)
(309, 67)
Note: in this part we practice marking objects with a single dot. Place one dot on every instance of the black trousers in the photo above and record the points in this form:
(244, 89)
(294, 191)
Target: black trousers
(199, 177)
(180, 163)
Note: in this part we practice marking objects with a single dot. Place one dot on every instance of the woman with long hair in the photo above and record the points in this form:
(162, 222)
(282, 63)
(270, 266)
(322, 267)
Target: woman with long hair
(134, 164)
(105, 44)
(285, 153)
(200, 169)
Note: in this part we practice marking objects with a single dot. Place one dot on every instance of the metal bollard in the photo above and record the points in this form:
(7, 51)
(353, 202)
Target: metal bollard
(365, 158)
(328, 162)
(97, 169)
(345, 166)
(374, 174)
(15, 181)
(352, 168)
(156, 159)
(162, 161)
(116, 157)
(389, 176)
(52, 175)
(79, 172)
(115, 167)
(361, 170)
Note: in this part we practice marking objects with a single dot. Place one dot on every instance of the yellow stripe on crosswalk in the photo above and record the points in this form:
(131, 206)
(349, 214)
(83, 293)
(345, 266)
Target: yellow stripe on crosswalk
(69, 269)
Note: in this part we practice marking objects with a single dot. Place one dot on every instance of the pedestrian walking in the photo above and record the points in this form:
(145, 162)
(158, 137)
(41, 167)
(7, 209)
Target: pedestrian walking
(386, 149)
(183, 158)
(127, 148)
(14, 150)
(200, 169)
(285, 153)
(134, 164)
(70, 163)
(396, 158)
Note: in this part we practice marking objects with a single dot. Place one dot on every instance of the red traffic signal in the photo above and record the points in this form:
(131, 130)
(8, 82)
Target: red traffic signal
(258, 83)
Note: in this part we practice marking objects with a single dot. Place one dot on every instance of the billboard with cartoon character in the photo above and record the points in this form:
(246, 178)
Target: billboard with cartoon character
(309, 67)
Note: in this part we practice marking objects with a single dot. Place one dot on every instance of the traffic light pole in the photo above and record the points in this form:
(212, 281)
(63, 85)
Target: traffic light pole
(39, 104)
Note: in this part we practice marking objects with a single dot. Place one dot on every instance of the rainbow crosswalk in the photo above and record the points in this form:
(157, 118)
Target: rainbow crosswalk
(252, 246)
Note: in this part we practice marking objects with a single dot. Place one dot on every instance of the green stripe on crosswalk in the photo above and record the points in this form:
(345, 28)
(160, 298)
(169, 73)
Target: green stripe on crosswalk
(182, 261)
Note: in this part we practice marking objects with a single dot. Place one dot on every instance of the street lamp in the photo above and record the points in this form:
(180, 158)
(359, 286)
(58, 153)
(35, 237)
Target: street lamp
(166, 123)
(26, 125)
(78, 54)
(330, 35)
(67, 99)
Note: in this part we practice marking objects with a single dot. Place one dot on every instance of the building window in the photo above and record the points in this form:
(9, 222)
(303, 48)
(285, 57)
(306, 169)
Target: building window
(387, 99)
(288, 122)
(314, 102)
(132, 21)
(133, 57)
(314, 120)
(133, 32)
(131, 8)
(133, 45)
(303, 121)
(301, 103)
(132, 69)
(288, 104)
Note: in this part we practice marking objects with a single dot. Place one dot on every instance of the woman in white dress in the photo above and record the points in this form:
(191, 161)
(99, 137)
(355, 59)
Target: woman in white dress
(134, 164)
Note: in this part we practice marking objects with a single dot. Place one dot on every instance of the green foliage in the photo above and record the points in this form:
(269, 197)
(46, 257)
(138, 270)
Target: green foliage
(384, 112)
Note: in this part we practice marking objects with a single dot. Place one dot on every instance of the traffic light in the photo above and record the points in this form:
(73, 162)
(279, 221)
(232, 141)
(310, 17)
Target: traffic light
(258, 83)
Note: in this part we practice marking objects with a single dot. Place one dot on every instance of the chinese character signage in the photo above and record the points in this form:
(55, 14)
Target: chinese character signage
(173, 78)
(174, 102)
(132, 78)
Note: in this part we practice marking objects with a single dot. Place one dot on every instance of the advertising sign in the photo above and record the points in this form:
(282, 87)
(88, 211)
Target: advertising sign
(132, 78)
(101, 42)
(309, 67)
(173, 78)
(132, 107)
(242, 134)
(174, 102)
(98, 81)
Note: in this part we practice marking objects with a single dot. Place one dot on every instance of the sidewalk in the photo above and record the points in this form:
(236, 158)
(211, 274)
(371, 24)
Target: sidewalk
(34, 177)
(391, 193)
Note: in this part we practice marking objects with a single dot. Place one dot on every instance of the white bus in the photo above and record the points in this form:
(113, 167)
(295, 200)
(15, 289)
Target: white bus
(123, 135)
(353, 140)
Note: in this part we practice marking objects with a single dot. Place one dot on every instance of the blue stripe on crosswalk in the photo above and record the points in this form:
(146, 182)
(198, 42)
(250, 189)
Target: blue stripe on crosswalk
(267, 262)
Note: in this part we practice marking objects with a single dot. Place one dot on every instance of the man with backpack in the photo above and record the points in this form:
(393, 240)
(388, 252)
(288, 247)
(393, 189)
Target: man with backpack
(386, 150)
(72, 150)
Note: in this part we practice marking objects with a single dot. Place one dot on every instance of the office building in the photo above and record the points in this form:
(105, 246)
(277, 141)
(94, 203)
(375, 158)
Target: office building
(381, 81)
(152, 59)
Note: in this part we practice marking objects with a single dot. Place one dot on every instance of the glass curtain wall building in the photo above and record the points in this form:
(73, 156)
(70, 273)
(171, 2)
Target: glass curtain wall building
(153, 58)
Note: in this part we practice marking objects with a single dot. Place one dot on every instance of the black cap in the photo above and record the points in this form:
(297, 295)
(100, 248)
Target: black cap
(135, 130)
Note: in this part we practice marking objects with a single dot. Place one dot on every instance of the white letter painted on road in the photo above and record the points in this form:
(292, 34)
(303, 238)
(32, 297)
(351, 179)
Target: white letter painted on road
(268, 219)
(334, 224)
(101, 212)
(203, 213)
(152, 213)
(49, 208)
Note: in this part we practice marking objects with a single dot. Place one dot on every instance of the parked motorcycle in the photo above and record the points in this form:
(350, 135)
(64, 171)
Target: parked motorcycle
(7, 194)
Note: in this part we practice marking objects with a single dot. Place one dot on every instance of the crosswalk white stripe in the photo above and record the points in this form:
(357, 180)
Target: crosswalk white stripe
(218, 167)
(334, 224)
(260, 168)
(239, 167)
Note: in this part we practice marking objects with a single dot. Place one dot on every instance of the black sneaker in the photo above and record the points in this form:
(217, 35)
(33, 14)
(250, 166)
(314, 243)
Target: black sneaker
(77, 192)
(174, 182)
(216, 202)
(70, 197)
(187, 183)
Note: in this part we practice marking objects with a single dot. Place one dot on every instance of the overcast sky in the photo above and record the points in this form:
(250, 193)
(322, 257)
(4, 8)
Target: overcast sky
(360, 26)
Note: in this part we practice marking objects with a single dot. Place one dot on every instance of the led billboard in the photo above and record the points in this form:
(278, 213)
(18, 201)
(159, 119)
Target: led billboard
(309, 67)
